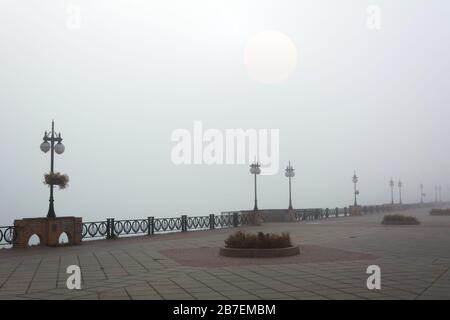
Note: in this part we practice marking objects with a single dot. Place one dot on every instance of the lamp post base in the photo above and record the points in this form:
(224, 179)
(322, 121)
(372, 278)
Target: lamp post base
(355, 210)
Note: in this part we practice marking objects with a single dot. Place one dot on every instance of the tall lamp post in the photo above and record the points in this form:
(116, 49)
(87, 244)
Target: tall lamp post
(421, 193)
(255, 170)
(49, 145)
(439, 190)
(290, 174)
(436, 193)
(356, 192)
(391, 184)
(400, 184)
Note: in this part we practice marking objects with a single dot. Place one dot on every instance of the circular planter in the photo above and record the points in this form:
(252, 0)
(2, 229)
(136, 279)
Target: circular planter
(400, 223)
(259, 253)
(440, 212)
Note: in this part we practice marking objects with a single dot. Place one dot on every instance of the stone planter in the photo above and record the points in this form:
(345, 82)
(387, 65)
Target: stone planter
(260, 253)
(440, 212)
(400, 223)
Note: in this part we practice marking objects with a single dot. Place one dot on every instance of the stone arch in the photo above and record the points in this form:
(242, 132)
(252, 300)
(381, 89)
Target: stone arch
(64, 238)
(34, 240)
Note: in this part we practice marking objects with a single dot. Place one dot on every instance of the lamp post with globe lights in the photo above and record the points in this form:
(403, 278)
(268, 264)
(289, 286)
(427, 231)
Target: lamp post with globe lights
(391, 184)
(356, 192)
(255, 169)
(422, 194)
(290, 174)
(400, 185)
(49, 145)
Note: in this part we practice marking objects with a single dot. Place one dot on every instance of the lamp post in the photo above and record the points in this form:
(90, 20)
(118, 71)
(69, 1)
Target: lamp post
(400, 184)
(439, 190)
(356, 192)
(421, 193)
(436, 193)
(255, 170)
(49, 145)
(391, 184)
(290, 174)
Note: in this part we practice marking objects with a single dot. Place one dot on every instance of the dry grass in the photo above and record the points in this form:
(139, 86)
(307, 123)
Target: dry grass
(260, 240)
(399, 219)
(440, 212)
(56, 179)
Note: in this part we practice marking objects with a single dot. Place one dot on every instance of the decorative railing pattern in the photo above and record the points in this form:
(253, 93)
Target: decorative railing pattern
(111, 228)
(114, 228)
(199, 223)
(224, 221)
(125, 227)
(95, 229)
(7, 235)
(168, 224)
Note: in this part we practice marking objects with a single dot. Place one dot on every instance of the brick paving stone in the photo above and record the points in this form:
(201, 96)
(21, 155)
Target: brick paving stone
(414, 262)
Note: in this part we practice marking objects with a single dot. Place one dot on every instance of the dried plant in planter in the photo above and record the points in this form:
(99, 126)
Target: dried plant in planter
(56, 179)
(261, 240)
(440, 212)
(399, 219)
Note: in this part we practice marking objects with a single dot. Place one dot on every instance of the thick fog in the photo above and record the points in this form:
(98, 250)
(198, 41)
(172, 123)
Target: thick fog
(120, 77)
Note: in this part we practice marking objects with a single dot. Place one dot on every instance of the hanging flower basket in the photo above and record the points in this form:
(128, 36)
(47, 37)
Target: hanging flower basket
(56, 179)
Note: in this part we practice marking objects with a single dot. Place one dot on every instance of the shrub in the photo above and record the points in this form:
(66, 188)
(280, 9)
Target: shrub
(56, 179)
(260, 240)
(399, 219)
(440, 212)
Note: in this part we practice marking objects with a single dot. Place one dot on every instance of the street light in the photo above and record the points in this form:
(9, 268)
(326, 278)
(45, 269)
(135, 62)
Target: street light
(290, 174)
(400, 184)
(436, 189)
(255, 170)
(440, 189)
(391, 184)
(421, 193)
(49, 145)
(355, 181)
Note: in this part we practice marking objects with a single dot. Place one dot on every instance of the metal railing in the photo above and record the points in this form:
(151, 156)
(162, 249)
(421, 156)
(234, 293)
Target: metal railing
(111, 228)
(7, 235)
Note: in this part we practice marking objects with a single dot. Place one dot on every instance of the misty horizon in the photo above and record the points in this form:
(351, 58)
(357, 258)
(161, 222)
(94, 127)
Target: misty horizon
(119, 85)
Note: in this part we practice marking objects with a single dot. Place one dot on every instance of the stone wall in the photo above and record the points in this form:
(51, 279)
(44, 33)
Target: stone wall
(48, 230)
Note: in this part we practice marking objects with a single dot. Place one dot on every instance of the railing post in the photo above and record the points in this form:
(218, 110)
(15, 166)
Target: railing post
(149, 226)
(211, 221)
(152, 225)
(235, 219)
(111, 225)
(108, 228)
(183, 223)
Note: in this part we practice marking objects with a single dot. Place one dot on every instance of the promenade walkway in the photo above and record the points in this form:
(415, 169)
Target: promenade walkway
(414, 262)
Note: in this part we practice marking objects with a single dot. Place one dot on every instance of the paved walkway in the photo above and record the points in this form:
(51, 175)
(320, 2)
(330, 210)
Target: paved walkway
(414, 262)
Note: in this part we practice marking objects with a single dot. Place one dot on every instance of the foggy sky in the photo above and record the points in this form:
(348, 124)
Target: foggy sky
(372, 101)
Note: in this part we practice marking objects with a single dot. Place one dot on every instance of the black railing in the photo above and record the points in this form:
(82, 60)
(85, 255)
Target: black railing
(128, 227)
(111, 228)
(319, 213)
(114, 228)
(7, 235)
(95, 229)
